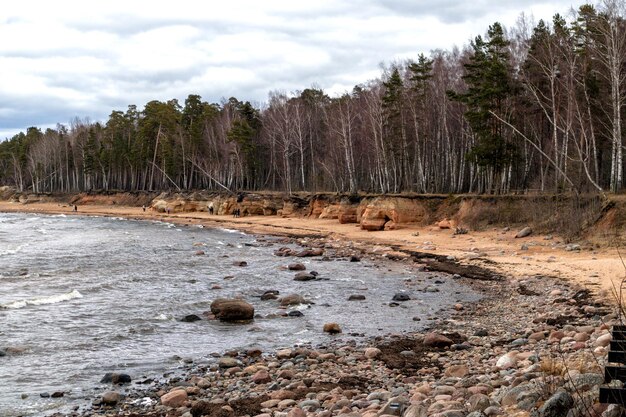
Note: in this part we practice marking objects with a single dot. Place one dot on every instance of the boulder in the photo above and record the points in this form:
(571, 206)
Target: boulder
(348, 217)
(270, 295)
(371, 352)
(115, 378)
(507, 361)
(292, 299)
(228, 362)
(232, 310)
(261, 377)
(332, 328)
(457, 371)
(558, 405)
(390, 225)
(175, 398)
(373, 225)
(401, 297)
(310, 252)
(437, 340)
(444, 224)
(356, 297)
(296, 267)
(526, 231)
(190, 318)
(304, 276)
(111, 398)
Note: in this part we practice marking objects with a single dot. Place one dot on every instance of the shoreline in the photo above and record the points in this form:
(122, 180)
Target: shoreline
(479, 357)
(599, 269)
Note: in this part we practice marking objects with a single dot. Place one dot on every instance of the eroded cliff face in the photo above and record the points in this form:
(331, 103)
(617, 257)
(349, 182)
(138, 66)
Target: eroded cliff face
(559, 214)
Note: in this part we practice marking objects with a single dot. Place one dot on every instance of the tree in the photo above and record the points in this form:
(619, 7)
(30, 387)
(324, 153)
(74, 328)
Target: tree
(489, 87)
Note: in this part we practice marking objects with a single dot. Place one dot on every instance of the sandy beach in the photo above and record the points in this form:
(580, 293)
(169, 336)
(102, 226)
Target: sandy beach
(600, 269)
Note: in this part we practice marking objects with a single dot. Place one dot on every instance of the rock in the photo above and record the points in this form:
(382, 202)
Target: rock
(228, 362)
(373, 225)
(175, 398)
(261, 377)
(354, 258)
(240, 263)
(586, 381)
(356, 297)
(457, 371)
(390, 225)
(295, 313)
(401, 297)
(199, 252)
(292, 299)
(371, 352)
(296, 267)
(190, 318)
(296, 412)
(304, 276)
(526, 231)
(312, 405)
(232, 310)
(394, 407)
(270, 295)
(604, 340)
(506, 361)
(416, 410)
(444, 224)
(558, 405)
(479, 402)
(283, 394)
(332, 328)
(111, 398)
(57, 394)
(115, 378)
(437, 340)
(310, 252)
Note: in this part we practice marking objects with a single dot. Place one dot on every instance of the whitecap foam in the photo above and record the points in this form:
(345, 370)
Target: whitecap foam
(230, 230)
(52, 299)
(11, 251)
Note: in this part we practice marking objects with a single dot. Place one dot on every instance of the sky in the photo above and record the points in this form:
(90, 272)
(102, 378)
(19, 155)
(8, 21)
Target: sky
(64, 59)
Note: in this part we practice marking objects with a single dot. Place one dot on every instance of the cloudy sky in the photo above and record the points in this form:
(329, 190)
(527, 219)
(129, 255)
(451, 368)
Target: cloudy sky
(65, 59)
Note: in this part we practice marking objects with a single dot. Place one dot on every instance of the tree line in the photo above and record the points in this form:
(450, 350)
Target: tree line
(538, 107)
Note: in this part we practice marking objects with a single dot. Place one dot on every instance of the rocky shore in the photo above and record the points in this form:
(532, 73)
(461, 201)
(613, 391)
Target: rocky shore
(533, 346)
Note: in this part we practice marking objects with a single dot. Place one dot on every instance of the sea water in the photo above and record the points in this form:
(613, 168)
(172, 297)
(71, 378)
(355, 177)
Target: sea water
(82, 296)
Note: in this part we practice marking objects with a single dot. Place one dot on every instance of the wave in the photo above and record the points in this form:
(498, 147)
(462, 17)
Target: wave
(230, 230)
(52, 299)
(11, 251)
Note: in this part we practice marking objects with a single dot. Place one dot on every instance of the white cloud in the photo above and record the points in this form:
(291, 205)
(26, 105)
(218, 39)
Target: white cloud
(64, 59)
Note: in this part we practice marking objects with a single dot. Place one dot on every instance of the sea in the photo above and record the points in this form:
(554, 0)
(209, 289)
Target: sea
(82, 296)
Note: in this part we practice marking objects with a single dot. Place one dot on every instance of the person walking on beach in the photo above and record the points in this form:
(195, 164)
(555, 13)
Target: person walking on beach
(144, 208)
(75, 208)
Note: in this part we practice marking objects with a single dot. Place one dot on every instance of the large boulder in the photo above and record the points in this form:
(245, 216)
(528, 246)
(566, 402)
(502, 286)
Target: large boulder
(232, 310)
(374, 224)
(399, 210)
(175, 398)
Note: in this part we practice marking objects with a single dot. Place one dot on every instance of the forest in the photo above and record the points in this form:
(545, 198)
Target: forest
(537, 107)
